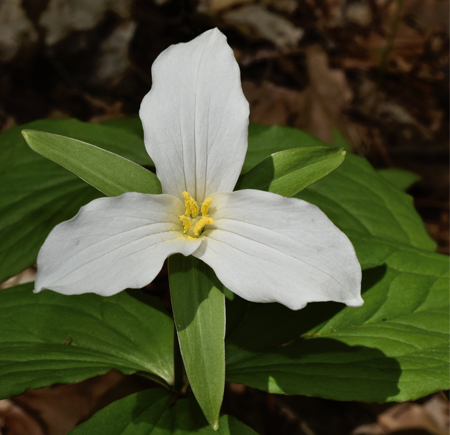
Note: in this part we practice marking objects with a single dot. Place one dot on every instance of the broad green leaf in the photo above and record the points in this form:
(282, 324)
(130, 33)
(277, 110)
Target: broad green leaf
(361, 202)
(357, 199)
(149, 412)
(394, 347)
(198, 305)
(288, 172)
(265, 140)
(37, 194)
(400, 178)
(130, 125)
(104, 170)
(49, 338)
(374, 250)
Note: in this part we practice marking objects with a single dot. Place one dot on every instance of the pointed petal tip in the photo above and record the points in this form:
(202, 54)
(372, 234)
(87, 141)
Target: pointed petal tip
(357, 302)
(296, 307)
(214, 31)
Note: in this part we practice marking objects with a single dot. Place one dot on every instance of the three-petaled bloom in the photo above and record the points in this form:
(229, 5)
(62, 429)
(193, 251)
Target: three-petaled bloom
(262, 246)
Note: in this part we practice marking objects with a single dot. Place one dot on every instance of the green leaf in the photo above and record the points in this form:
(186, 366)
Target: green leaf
(357, 199)
(394, 347)
(49, 338)
(148, 412)
(378, 218)
(265, 140)
(288, 172)
(37, 194)
(130, 125)
(364, 360)
(400, 178)
(373, 251)
(198, 305)
(123, 141)
(108, 172)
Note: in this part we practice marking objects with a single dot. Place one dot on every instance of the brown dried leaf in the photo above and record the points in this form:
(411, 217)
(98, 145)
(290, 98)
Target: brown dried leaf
(62, 17)
(257, 22)
(61, 407)
(15, 421)
(214, 6)
(16, 30)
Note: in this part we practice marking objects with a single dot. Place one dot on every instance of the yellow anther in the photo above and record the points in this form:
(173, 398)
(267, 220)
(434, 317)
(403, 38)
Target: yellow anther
(186, 223)
(193, 224)
(201, 224)
(191, 205)
(205, 206)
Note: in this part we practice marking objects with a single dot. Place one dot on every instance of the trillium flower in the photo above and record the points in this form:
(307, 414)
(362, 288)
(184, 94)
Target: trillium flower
(262, 246)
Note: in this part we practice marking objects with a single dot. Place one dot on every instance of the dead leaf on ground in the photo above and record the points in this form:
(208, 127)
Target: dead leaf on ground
(317, 109)
(16, 29)
(255, 21)
(62, 17)
(15, 421)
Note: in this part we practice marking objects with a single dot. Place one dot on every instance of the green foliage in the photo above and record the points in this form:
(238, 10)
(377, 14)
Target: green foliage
(149, 412)
(400, 178)
(37, 194)
(266, 140)
(394, 347)
(130, 125)
(49, 338)
(374, 353)
(288, 172)
(356, 198)
(198, 305)
(104, 170)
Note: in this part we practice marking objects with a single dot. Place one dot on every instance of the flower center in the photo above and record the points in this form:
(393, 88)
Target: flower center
(193, 223)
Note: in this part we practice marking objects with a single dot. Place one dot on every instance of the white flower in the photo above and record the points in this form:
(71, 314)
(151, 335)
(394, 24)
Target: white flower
(262, 246)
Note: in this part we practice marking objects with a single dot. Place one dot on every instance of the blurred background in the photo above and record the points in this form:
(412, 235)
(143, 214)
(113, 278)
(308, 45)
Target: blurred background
(375, 70)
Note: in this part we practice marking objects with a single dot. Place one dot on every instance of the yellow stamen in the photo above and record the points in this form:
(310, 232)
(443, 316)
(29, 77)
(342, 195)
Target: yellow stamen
(201, 224)
(186, 223)
(191, 205)
(205, 206)
(193, 224)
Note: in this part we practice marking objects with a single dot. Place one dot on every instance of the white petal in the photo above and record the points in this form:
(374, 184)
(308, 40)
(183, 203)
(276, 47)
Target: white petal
(267, 248)
(112, 244)
(195, 117)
